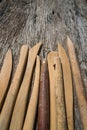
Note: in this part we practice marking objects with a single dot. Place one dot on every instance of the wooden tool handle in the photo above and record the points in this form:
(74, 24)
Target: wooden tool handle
(51, 58)
(21, 101)
(82, 102)
(31, 112)
(68, 87)
(43, 107)
(12, 93)
(5, 75)
(59, 90)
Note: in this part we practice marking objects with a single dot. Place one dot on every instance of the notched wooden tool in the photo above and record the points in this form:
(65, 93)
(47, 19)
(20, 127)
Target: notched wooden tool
(5, 76)
(51, 60)
(31, 111)
(12, 93)
(21, 102)
(68, 88)
(79, 87)
(59, 90)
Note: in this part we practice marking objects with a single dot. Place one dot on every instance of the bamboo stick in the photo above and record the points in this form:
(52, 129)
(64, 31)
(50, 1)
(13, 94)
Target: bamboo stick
(31, 111)
(5, 76)
(43, 107)
(51, 58)
(59, 90)
(12, 93)
(82, 102)
(21, 102)
(68, 88)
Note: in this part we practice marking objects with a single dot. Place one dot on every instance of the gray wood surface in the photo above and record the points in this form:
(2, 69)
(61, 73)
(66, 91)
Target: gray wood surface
(49, 21)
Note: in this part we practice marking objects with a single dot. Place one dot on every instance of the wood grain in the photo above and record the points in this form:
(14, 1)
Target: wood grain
(68, 88)
(79, 87)
(21, 101)
(5, 76)
(12, 93)
(51, 61)
(32, 107)
(59, 93)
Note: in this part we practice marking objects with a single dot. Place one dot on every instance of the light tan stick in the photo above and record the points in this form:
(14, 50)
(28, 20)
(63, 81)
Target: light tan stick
(51, 59)
(82, 102)
(5, 76)
(31, 112)
(68, 88)
(12, 93)
(21, 102)
(60, 105)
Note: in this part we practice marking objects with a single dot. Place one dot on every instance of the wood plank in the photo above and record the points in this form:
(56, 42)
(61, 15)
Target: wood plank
(79, 87)
(5, 76)
(21, 102)
(12, 93)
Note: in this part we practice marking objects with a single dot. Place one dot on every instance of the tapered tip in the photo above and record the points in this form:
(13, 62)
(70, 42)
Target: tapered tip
(9, 56)
(68, 40)
(9, 53)
(25, 47)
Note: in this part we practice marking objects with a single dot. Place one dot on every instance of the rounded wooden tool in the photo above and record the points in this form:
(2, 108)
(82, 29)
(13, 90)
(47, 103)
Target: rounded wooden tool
(21, 102)
(43, 107)
(82, 102)
(5, 76)
(31, 111)
(59, 90)
(51, 60)
(12, 93)
(68, 88)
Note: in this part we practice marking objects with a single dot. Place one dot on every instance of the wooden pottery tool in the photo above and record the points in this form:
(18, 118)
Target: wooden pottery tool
(60, 101)
(51, 60)
(12, 93)
(32, 107)
(5, 75)
(68, 88)
(21, 102)
(43, 107)
(79, 87)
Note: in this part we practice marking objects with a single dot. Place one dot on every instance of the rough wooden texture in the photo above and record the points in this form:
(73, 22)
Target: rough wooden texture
(30, 21)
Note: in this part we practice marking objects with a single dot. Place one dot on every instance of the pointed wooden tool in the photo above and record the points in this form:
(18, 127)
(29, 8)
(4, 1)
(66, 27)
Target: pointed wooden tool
(5, 76)
(31, 111)
(82, 102)
(21, 102)
(59, 90)
(51, 59)
(43, 106)
(12, 93)
(68, 88)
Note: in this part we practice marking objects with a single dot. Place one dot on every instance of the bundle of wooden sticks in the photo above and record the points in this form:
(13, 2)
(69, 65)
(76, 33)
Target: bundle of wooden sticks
(49, 104)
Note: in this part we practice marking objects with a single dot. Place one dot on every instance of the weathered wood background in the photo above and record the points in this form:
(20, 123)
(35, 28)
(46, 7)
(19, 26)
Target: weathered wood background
(49, 21)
